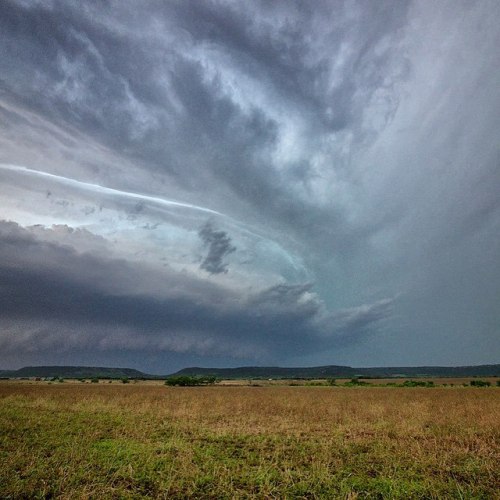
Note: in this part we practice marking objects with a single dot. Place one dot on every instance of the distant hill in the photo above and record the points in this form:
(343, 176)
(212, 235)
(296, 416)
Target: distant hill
(336, 371)
(260, 372)
(74, 372)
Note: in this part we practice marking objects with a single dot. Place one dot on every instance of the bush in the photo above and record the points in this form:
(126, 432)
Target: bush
(187, 381)
(94, 380)
(331, 381)
(480, 383)
(125, 380)
(356, 382)
(418, 383)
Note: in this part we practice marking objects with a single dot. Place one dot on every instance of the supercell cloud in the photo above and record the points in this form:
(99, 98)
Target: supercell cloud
(227, 183)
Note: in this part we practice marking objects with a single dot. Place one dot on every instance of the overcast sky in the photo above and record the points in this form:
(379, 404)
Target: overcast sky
(222, 183)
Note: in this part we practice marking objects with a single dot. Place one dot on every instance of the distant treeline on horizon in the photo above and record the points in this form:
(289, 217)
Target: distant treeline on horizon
(262, 372)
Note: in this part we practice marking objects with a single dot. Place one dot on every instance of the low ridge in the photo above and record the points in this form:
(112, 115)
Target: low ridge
(344, 371)
(256, 372)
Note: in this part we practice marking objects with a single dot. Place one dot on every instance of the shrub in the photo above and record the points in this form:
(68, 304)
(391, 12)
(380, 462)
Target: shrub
(187, 381)
(418, 383)
(356, 382)
(480, 383)
(331, 381)
(94, 380)
(125, 380)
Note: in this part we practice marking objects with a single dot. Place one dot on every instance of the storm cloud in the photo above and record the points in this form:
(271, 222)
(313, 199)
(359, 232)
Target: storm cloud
(48, 287)
(223, 182)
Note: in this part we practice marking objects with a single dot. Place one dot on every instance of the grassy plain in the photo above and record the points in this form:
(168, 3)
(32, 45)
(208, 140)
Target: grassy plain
(147, 440)
(343, 381)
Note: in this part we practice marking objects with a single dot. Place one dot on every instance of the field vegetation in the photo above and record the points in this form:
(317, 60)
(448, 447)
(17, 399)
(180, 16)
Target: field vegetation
(110, 440)
(186, 381)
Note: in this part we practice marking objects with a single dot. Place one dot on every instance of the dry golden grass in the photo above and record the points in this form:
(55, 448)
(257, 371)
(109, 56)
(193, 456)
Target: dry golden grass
(144, 440)
(341, 381)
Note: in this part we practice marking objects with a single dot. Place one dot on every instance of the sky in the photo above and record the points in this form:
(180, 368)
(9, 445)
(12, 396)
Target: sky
(225, 183)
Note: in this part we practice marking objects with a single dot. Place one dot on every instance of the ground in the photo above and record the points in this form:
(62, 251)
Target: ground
(74, 440)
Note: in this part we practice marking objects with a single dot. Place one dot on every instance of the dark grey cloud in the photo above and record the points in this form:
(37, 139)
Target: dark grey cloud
(88, 301)
(219, 246)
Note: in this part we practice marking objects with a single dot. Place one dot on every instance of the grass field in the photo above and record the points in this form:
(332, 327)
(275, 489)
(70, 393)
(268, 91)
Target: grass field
(147, 440)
